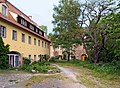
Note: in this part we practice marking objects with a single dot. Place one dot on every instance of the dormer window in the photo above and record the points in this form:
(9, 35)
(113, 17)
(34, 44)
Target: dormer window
(23, 22)
(4, 10)
(31, 27)
(36, 30)
(40, 32)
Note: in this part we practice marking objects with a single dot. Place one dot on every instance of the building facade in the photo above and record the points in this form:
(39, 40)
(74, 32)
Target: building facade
(79, 52)
(55, 52)
(23, 35)
(76, 52)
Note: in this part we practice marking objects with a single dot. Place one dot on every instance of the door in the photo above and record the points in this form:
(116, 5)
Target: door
(11, 60)
(16, 61)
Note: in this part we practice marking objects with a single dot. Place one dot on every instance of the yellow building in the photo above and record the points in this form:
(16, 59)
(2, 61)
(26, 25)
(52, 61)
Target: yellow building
(23, 35)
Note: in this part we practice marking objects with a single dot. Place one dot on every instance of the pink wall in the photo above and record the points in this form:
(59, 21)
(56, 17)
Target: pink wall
(55, 52)
(58, 51)
(79, 51)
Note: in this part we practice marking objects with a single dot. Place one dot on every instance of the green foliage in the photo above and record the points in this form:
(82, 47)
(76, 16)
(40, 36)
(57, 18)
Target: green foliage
(41, 67)
(44, 28)
(101, 36)
(46, 57)
(66, 22)
(4, 50)
(107, 69)
(54, 59)
(26, 61)
(111, 26)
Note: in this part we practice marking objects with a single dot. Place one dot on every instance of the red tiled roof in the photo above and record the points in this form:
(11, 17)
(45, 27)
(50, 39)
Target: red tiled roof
(18, 12)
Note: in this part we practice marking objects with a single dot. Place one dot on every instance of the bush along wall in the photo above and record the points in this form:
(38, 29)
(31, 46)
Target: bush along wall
(4, 50)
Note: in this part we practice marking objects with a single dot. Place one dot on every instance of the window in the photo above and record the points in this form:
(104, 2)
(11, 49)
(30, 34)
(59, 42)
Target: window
(42, 44)
(48, 45)
(29, 57)
(2, 31)
(39, 57)
(34, 57)
(29, 40)
(45, 44)
(31, 27)
(23, 22)
(23, 37)
(36, 30)
(40, 32)
(4, 10)
(14, 35)
(38, 42)
(34, 41)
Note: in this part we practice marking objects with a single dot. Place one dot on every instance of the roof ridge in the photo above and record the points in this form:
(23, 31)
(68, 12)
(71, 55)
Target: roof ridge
(22, 13)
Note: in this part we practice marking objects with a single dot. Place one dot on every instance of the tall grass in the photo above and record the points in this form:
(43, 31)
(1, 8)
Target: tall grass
(106, 68)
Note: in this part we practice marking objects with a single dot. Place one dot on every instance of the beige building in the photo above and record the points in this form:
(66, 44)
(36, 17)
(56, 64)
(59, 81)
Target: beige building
(76, 52)
(80, 52)
(23, 35)
(55, 52)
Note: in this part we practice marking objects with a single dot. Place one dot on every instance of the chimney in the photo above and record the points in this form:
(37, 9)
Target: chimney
(30, 17)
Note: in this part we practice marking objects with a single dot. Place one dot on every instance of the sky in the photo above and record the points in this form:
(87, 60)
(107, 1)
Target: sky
(40, 10)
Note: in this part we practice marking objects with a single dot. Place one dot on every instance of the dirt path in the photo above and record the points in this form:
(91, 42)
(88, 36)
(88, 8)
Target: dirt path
(70, 77)
(68, 72)
(66, 79)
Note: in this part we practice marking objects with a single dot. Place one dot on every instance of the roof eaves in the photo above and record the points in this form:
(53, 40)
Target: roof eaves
(17, 24)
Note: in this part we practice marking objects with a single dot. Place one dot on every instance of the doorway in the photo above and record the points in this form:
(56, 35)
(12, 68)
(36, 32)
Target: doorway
(14, 59)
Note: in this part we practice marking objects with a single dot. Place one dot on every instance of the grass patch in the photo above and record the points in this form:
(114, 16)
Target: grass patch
(39, 79)
(92, 79)
(38, 67)
(105, 71)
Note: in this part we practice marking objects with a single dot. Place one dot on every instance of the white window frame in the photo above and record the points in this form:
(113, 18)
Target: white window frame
(35, 41)
(29, 39)
(38, 42)
(34, 57)
(4, 10)
(23, 37)
(29, 57)
(2, 31)
(14, 35)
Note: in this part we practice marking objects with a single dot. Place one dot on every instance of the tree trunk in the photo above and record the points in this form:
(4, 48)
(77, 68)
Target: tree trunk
(84, 46)
(68, 56)
(95, 47)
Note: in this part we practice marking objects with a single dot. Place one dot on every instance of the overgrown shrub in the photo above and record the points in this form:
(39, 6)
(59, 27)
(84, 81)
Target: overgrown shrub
(38, 66)
(26, 61)
(4, 50)
(54, 59)
(46, 57)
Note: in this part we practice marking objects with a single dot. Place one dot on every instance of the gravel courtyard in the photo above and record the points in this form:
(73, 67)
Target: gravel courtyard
(16, 79)
(68, 78)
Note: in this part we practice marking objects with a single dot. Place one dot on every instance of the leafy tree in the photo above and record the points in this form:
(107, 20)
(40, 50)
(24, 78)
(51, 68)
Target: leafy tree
(111, 26)
(66, 21)
(92, 13)
(4, 50)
